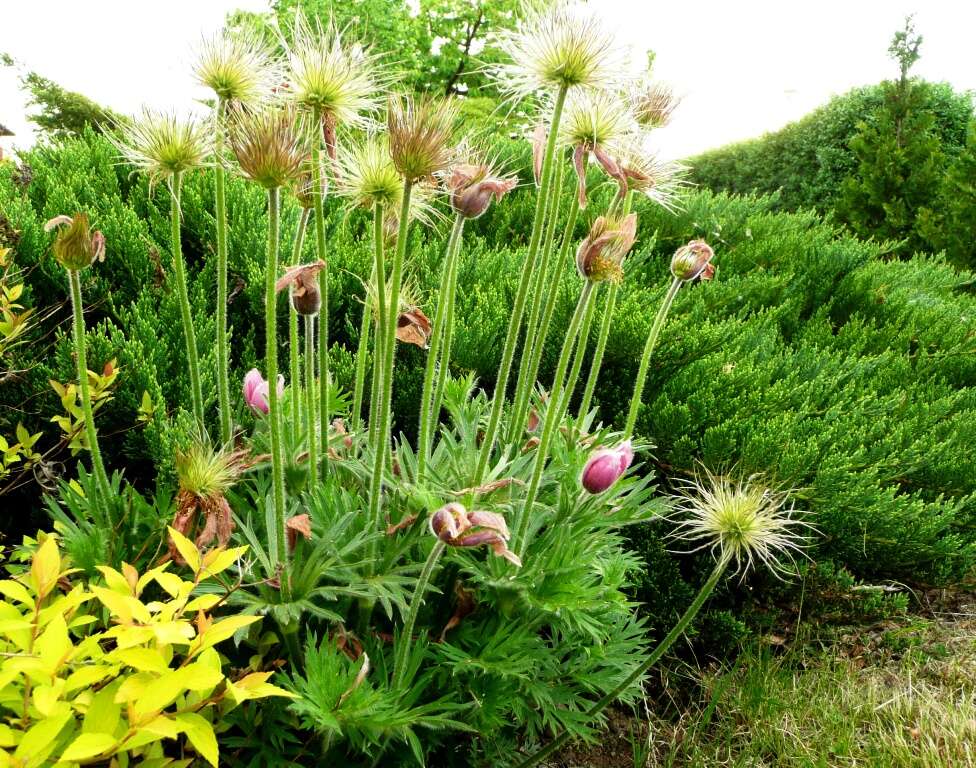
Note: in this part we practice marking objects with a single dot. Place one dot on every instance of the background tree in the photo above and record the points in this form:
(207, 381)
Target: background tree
(899, 158)
(63, 113)
(949, 225)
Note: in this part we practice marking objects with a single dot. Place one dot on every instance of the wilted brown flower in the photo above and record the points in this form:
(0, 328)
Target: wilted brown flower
(472, 186)
(455, 526)
(304, 287)
(298, 525)
(600, 256)
(413, 327)
(76, 247)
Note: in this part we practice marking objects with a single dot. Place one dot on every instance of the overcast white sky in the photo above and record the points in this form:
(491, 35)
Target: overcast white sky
(742, 67)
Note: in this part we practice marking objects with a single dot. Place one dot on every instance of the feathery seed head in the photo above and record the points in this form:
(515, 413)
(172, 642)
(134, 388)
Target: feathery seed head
(76, 247)
(421, 129)
(558, 48)
(238, 67)
(162, 145)
(660, 180)
(365, 175)
(339, 80)
(594, 119)
(742, 522)
(271, 148)
(207, 473)
(652, 103)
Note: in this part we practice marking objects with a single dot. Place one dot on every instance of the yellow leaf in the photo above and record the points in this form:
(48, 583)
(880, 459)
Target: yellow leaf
(104, 713)
(123, 607)
(163, 726)
(46, 566)
(41, 739)
(6, 736)
(88, 676)
(200, 734)
(221, 630)
(219, 560)
(186, 549)
(201, 677)
(160, 693)
(88, 745)
(149, 576)
(46, 697)
(172, 583)
(54, 645)
(132, 687)
(142, 659)
(16, 591)
(173, 632)
(114, 580)
(202, 603)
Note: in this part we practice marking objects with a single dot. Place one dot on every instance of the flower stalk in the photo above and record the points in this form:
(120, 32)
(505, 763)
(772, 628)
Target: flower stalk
(313, 464)
(515, 323)
(271, 371)
(323, 341)
(552, 416)
(581, 344)
(222, 342)
(402, 657)
(179, 270)
(81, 362)
(294, 364)
(652, 337)
(379, 269)
(437, 355)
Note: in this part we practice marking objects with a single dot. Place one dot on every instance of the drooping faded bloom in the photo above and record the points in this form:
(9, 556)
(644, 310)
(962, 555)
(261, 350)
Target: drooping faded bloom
(593, 123)
(457, 527)
(76, 246)
(413, 327)
(271, 147)
(743, 522)
(539, 138)
(204, 477)
(693, 261)
(600, 256)
(256, 390)
(660, 180)
(237, 66)
(652, 103)
(558, 48)
(421, 129)
(606, 466)
(302, 282)
(163, 145)
(473, 186)
(298, 525)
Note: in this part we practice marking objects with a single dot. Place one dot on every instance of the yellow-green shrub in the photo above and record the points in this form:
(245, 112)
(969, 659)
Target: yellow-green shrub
(74, 693)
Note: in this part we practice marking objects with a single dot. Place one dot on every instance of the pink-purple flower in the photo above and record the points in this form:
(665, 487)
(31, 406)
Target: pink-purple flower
(454, 525)
(256, 390)
(606, 466)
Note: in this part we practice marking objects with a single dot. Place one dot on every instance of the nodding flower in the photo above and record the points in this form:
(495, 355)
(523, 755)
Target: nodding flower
(256, 390)
(303, 285)
(472, 187)
(413, 327)
(693, 261)
(600, 256)
(606, 466)
(76, 247)
(457, 527)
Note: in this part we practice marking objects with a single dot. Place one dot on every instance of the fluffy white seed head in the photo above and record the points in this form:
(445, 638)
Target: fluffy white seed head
(662, 181)
(743, 522)
(237, 66)
(340, 80)
(559, 47)
(595, 119)
(161, 144)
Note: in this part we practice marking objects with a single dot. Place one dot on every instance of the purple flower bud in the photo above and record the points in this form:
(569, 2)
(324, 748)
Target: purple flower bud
(256, 390)
(606, 466)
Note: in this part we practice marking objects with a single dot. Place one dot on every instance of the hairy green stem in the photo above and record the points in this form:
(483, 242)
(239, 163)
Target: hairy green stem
(313, 454)
(552, 294)
(294, 365)
(81, 361)
(443, 316)
(444, 364)
(518, 309)
(524, 384)
(581, 344)
(676, 631)
(402, 657)
(384, 406)
(362, 351)
(379, 268)
(225, 412)
(271, 371)
(601, 344)
(323, 287)
(551, 422)
(662, 313)
(179, 271)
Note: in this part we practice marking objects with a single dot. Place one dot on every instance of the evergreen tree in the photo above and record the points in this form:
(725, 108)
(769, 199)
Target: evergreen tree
(950, 225)
(899, 158)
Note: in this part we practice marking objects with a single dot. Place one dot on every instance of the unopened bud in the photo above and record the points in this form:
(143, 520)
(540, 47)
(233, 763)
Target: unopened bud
(693, 261)
(76, 246)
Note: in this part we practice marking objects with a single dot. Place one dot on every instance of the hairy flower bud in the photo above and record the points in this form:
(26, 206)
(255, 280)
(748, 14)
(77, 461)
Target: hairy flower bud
(606, 466)
(601, 254)
(457, 527)
(473, 186)
(693, 261)
(256, 390)
(303, 285)
(76, 246)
